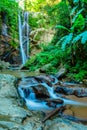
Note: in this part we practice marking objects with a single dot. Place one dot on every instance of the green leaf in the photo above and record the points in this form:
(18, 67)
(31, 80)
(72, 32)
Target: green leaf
(62, 27)
(82, 37)
(75, 1)
(73, 10)
(79, 12)
(65, 40)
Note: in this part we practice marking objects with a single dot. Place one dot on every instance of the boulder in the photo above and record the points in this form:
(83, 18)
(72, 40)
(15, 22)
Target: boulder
(4, 65)
(12, 114)
(62, 71)
(63, 124)
(44, 68)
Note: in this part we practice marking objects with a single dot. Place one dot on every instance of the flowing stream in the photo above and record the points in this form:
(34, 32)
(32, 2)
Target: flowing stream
(30, 88)
(35, 92)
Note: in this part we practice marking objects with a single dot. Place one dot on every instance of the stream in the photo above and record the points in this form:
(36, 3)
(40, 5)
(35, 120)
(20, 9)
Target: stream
(38, 90)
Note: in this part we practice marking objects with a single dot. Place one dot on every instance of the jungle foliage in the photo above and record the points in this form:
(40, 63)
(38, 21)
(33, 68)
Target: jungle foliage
(9, 16)
(69, 45)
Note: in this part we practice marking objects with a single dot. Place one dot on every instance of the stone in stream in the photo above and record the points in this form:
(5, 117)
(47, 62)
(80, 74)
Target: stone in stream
(61, 73)
(77, 91)
(14, 116)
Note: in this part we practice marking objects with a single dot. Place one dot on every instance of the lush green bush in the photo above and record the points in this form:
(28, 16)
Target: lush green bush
(9, 15)
(50, 55)
(58, 13)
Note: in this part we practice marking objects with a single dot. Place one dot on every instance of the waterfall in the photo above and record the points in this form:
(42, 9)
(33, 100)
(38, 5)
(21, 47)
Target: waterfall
(27, 30)
(24, 37)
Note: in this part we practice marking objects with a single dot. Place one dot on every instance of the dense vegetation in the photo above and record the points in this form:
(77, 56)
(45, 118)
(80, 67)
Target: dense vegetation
(69, 45)
(9, 16)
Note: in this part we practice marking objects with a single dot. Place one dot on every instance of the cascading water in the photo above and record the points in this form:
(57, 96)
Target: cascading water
(26, 90)
(24, 37)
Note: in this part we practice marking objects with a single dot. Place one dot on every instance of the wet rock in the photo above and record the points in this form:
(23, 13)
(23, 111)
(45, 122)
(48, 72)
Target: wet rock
(44, 68)
(10, 110)
(77, 91)
(7, 52)
(41, 92)
(4, 65)
(35, 85)
(48, 79)
(7, 88)
(11, 113)
(63, 124)
(14, 116)
(64, 90)
(61, 73)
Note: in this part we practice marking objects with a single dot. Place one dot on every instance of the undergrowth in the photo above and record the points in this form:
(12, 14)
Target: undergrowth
(52, 57)
(69, 45)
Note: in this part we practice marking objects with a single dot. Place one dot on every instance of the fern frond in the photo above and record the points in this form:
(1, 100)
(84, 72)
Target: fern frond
(61, 40)
(77, 14)
(62, 27)
(75, 1)
(65, 40)
(73, 10)
(82, 36)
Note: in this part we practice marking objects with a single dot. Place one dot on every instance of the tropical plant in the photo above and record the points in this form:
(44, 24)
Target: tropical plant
(75, 36)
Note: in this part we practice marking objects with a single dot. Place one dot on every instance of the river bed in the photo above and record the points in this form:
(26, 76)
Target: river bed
(73, 110)
(77, 111)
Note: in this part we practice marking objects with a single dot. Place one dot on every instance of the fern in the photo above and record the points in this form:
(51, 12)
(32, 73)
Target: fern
(62, 27)
(79, 23)
(73, 10)
(77, 14)
(75, 1)
(82, 36)
(65, 40)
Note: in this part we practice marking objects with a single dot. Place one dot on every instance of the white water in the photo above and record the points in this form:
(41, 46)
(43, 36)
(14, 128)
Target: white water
(23, 55)
(37, 105)
(27, 30)
(24, 37)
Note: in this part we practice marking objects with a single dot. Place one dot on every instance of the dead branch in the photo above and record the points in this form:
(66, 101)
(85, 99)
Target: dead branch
(52, 113)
